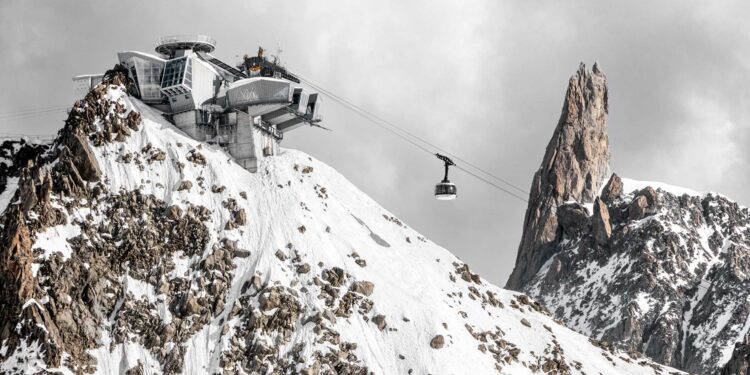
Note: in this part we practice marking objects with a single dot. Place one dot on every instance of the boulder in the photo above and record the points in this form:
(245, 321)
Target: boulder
(280, 255)
(612, 190)
(335, 276)
(240, 217)
(174, 212)
(651, 197)
(241, 253)
(83, 158)
(256, 282)
(270, 300)
(185, 185)
(192, 306)
(379, 320)
(437, 342)
(637, 208)
(303, 268)
(573, 219)
(600, 223)
(363, 287)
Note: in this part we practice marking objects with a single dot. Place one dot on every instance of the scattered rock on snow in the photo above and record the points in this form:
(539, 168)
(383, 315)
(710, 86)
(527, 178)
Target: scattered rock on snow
(303, 268)
(185, 185)
(437, 342)
(363, 287)
(379, 320)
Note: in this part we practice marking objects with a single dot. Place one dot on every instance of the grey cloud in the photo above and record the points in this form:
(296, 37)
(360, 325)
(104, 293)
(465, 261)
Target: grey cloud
(484, 79)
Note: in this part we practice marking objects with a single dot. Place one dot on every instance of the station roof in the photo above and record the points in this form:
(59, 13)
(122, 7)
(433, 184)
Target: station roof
(168, 44)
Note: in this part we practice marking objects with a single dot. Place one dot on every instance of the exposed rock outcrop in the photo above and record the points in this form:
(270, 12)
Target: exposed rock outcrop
(652, 269)
(671, 281)
(15, 155)
(600, 222)
(574, 167)
(739, 363)
(22, 316)
(612, 190)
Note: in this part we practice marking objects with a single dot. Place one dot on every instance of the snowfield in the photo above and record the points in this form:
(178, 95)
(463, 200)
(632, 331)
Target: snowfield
(302, 212)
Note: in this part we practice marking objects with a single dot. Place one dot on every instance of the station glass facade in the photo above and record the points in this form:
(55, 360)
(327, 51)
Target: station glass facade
(147, 73)
(174, 72)
(149, 80)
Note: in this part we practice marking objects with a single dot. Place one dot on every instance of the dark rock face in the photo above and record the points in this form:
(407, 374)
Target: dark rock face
(600, 223)
(739, 363)
(672, 281)
(573, 219)
(574, 166)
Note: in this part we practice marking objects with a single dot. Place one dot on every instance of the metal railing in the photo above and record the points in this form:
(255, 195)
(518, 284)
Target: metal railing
(187, 38)
(184, 41)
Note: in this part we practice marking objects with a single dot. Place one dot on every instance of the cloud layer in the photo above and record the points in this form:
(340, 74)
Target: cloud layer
(483, 79)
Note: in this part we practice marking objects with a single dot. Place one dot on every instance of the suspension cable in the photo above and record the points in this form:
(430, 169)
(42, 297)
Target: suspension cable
(410, 137)
(31, 110)
(27, 114)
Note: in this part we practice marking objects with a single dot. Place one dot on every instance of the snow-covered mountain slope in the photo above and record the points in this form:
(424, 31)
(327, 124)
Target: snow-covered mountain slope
(671, 281)
(135, 249)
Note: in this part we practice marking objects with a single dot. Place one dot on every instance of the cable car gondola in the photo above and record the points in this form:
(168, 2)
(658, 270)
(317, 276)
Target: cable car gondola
(445, 190)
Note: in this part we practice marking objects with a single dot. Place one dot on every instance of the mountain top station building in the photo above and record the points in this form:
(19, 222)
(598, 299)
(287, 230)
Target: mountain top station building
(245, 109)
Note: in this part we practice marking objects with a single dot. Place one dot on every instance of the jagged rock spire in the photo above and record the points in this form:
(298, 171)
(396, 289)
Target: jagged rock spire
(575, 165)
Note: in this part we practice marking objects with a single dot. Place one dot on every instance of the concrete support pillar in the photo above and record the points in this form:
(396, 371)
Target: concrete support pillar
(244, 148)
(188, 122)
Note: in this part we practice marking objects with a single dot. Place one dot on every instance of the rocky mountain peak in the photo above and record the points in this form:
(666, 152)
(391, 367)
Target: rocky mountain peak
(575, 165)
(646, 266)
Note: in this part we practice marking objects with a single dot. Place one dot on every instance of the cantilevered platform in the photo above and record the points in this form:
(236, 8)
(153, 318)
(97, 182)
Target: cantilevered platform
(199, 43)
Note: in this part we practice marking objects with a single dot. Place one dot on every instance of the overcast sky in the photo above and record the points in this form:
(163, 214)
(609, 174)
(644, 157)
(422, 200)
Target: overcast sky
(482, 79)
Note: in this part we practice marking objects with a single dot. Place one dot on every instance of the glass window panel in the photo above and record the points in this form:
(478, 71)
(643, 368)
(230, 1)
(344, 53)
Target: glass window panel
(174, 72)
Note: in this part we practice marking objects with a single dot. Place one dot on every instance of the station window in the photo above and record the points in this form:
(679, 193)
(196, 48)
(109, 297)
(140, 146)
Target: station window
(174, 71)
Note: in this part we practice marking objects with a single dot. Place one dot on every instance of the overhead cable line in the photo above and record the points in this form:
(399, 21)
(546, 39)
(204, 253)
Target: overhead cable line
(31, 110)
(23, 115)
(380, 119)
(413, 139)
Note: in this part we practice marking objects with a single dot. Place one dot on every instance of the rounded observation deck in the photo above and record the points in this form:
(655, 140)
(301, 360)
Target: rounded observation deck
(169, 44)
